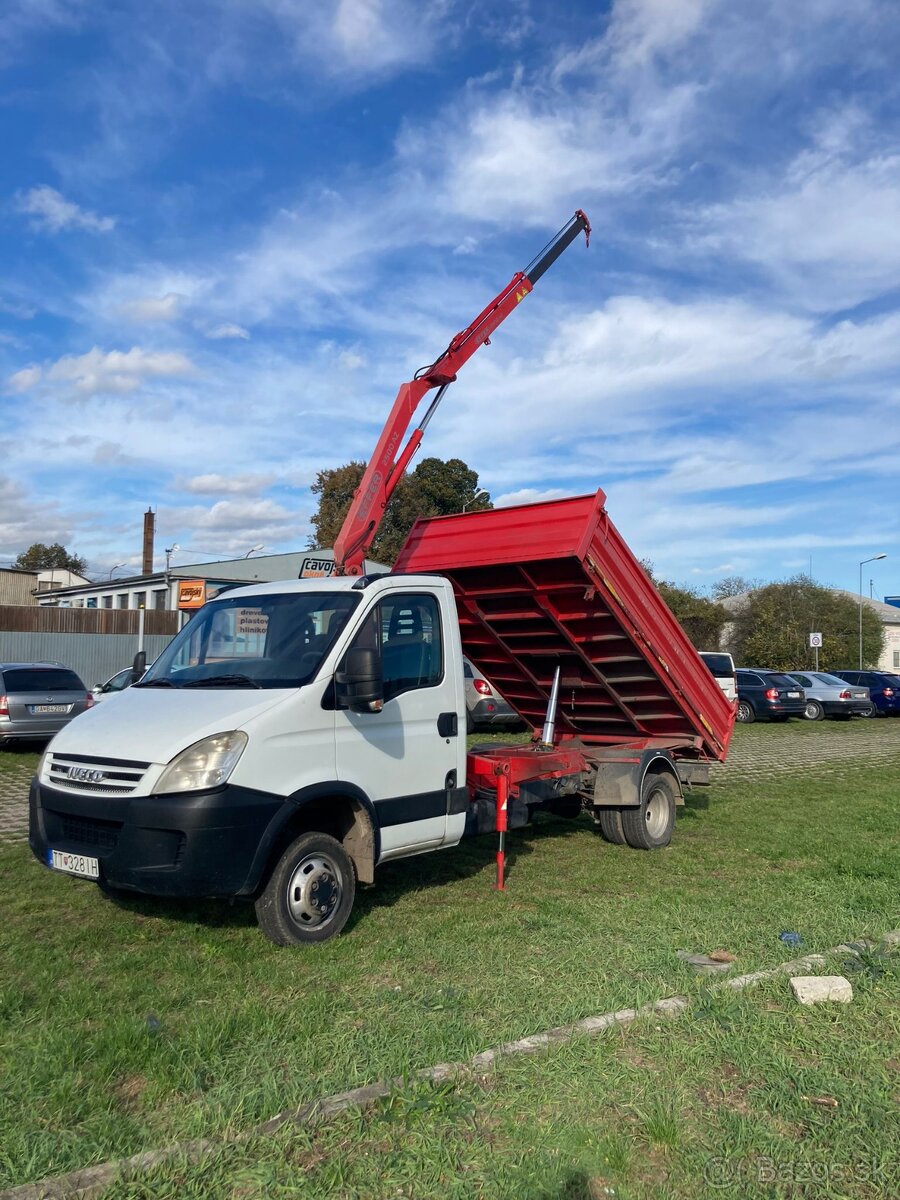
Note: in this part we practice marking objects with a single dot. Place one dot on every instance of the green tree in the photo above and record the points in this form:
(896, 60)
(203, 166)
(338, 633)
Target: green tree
(39, 557)
(772, 628)
(701, 619)
(434, 489)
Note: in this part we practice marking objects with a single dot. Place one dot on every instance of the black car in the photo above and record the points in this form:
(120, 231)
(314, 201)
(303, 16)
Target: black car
(884, 689)
(768, 695)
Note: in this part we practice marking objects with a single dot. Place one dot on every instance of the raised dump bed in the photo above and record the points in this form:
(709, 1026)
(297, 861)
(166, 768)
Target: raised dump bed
(553, 584)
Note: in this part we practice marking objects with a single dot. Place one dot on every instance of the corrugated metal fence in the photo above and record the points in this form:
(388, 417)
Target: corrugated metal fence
(92, 656)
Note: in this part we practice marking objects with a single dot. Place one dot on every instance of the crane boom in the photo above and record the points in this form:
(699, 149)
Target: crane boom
(388, 461)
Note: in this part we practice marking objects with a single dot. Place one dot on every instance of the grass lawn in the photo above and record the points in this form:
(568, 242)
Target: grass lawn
(126, 1027)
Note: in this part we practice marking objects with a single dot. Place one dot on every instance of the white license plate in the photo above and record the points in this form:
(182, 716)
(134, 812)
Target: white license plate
(74, 864)
(48, 708)
(793, 695)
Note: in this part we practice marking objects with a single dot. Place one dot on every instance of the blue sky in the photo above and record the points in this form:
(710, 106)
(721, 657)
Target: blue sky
(229, 231)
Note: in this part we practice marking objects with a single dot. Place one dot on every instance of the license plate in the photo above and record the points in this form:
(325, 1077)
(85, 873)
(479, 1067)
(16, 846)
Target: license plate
(49, 708)
(859, 695)
(74, 864)
(793, 695)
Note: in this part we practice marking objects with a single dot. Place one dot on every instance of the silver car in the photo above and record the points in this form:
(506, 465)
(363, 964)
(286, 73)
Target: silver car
(37, 699)
(484, 704)
(828, 696)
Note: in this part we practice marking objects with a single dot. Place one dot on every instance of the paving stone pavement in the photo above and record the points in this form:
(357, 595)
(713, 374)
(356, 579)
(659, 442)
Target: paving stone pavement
(828, 748)
(15, 779)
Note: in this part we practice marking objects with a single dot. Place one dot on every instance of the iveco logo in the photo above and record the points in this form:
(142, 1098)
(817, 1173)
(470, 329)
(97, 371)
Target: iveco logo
(86, 774)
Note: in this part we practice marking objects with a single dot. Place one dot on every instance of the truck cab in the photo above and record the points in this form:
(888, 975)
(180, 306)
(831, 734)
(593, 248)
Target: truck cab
(300, 732)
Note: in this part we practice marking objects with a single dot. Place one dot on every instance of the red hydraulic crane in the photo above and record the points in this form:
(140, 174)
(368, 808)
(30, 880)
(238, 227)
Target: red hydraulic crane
(388, 461)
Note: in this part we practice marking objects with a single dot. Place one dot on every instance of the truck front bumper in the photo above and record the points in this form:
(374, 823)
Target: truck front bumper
(193, 844)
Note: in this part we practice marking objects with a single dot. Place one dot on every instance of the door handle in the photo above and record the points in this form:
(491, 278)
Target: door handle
(448, 725)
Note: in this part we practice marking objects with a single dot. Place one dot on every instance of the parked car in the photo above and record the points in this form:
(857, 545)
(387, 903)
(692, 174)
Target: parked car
(722, 667)
(38, 699)
(767, 694)
(884, 689)
(485, 707)
(829, 696)
(117, 683)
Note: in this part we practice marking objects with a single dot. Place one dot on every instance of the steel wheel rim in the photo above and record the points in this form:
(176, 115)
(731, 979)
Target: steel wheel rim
(314, 891)
(656, 812)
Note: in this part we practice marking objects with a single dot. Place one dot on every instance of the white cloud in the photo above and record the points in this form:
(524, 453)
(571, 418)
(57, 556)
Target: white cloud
(53, 212)
(153, 308)
(220, 332)
(827, 232)
(116, 371)
(528, 495)
(240, 484)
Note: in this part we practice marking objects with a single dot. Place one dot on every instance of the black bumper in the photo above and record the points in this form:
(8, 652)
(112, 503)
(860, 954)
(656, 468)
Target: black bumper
(196, 844)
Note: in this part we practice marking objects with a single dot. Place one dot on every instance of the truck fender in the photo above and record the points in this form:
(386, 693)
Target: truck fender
(618, 784)
(362, 839)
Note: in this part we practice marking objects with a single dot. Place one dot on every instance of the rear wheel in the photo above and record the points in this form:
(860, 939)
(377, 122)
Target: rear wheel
(745, 713)
(610, 822)
(813, 711)
(309, 894)
(649, 826)
(869, 711)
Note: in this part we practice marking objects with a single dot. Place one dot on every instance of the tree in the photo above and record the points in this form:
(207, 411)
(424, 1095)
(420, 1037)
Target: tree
(434, 489)
(701, 619)
(39, 557)
(772, 628)
(733, 585)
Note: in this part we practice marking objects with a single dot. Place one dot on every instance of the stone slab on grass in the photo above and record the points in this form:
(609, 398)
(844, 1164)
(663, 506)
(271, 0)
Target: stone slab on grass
(818, 989)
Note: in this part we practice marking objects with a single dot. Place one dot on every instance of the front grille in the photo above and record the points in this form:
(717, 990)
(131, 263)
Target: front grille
(85, 831)
(100, 776)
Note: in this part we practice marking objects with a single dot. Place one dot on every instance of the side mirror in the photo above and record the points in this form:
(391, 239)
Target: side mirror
(139, 666)
(358, 683)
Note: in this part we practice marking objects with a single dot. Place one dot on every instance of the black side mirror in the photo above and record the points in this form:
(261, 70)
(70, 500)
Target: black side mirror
(358, 683)
(139, 666)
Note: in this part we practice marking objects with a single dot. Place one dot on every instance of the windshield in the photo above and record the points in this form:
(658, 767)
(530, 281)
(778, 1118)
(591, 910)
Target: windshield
(267, 641)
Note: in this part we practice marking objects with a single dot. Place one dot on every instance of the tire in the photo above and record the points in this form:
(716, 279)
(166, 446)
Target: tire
(470, 723)
(871, 711)
(609, 821)
(650, 825)
(813, 711)
(745, 713)
(314, 868)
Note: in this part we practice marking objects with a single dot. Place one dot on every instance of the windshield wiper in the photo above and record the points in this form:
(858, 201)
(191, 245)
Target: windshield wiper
(156, 683)
(223, 681)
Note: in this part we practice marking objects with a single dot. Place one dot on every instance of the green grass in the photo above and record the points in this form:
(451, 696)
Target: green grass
(125, 1027)
(13, 759)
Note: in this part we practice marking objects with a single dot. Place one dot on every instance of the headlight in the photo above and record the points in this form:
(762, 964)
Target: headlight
(206, 764)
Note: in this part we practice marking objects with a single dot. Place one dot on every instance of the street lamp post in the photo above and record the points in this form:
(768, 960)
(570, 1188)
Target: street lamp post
(478, 492)
(115, 568)
(874, 558)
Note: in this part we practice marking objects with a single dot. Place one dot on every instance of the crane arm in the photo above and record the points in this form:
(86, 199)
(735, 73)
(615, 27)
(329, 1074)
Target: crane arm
(389, 461)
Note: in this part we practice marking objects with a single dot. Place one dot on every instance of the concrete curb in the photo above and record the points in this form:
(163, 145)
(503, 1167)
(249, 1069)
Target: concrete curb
(90, 1181)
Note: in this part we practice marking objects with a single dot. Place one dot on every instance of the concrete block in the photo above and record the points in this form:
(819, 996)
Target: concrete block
(814, 989)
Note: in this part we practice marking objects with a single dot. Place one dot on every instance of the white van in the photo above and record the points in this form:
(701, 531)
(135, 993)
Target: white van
(722, 667)
(289, 738)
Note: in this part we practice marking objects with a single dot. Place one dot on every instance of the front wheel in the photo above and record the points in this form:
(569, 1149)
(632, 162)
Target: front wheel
(745, 713)
(813, 711)
(649, 826)
(309, 894)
